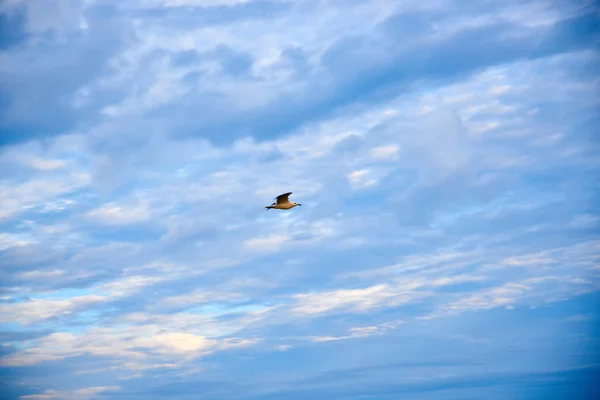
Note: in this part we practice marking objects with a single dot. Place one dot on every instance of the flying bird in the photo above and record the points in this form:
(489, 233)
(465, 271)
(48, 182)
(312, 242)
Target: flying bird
(283, 203)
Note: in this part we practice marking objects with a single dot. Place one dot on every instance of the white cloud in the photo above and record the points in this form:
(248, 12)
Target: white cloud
(448, 257)
(202, 3)
(77, 394)
(527, 292)
(360, 332)
(41, 274)
(358, 300)
(31, 311)
(455, 142)
(141, 345)
(19, 197)
(292, 234)
(55, 304)
(528, 260)
(44, 164)
(200, 296)
(113, 214)
(401, 290)
(8, 240)
(176, 342)
(387, 152)
(271, 243)
(361, 178)
(130, 284)
(451, 280)
(503, 295)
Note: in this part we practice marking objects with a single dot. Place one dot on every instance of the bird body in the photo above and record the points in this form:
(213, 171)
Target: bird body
(282, 202)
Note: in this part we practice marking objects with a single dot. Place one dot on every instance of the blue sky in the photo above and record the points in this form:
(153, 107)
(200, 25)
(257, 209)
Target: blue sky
(445, 153)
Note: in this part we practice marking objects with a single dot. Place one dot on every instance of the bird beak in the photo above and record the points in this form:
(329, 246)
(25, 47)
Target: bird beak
(299, 204)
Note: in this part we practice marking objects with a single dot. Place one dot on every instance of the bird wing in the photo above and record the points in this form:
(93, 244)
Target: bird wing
(283, 198)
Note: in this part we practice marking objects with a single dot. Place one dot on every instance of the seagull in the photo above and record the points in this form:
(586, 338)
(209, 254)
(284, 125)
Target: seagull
(282, 202)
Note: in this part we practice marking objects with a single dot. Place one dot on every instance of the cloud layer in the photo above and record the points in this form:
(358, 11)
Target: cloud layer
(445, 154)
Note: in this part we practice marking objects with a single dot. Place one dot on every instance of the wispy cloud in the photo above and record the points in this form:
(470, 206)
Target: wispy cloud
(357, 299)
(360, 332)
(85, 393)
(443, 151)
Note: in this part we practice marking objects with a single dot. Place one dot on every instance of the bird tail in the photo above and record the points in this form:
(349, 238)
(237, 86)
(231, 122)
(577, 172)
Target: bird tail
(267, 207)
